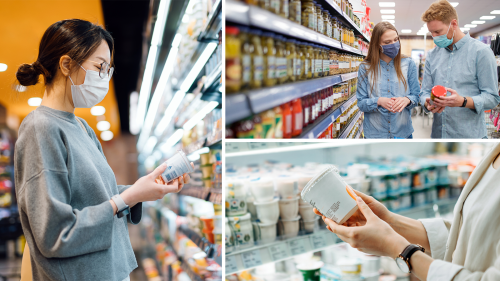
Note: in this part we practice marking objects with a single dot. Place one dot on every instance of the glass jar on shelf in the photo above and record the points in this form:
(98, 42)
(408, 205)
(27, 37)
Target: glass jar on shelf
(274, 6)
(295, 11)
(281, 64)
(301, 56)
(269, 51)
(284, 12)
(257, 59)
(327, 26)
(309, 62)
(246, 57)
(319, 18)
(317, 62)
(291, 57)
(336, 29)
(233, 60)
(308, 14)
(326, 62)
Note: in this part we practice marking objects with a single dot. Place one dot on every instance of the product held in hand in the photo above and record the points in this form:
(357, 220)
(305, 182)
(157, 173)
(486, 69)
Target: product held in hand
(330, 195)
(437, 91)
(177, 165)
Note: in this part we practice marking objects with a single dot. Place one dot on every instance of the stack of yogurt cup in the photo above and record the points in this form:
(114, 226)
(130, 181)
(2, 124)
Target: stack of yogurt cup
(265, 208)
(240, 232)
(288, 191)
(309, 218)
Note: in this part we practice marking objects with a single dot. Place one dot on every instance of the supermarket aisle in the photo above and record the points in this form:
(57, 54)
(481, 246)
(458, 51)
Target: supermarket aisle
(422, 124)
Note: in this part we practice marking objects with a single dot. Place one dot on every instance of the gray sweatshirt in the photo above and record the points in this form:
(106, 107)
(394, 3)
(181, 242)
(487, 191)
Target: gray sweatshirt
(63, 187)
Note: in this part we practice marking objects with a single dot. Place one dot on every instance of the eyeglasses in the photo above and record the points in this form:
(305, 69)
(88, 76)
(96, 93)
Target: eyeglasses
(105, 70)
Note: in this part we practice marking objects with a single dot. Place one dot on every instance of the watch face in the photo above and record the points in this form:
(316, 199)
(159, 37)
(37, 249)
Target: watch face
(402, 265)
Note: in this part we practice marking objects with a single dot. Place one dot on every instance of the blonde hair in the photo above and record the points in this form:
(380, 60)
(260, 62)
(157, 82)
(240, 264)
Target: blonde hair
(440, 10)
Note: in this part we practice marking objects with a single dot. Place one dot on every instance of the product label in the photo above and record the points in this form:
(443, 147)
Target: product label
(243, 237)
(306, 66)
(284, 9)
(231, 265)
(326, 65)
(275, 5)
(325, 104)
(317, 241)
(329, 30)
(319, 66)
(279, 127)
(271, 65)
(288, 124)
(311, 21)
(235, 205)
(331, 100)
(281, 67)
(246, 62)
(233, 72)
(176, 167)
(258, 64)
(320, 25)
(338, 126)
(278, 251)
(297, 66)
(298, 121)
(297, 246)
(307, 110)
(251, 258)
(298, 17)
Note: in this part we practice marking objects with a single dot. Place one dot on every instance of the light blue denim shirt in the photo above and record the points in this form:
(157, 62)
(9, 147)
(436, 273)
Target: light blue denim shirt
(379, 122)
(471, 70)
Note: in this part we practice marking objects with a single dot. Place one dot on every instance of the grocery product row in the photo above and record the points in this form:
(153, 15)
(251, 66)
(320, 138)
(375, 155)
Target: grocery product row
(269, 202)
(322, 114)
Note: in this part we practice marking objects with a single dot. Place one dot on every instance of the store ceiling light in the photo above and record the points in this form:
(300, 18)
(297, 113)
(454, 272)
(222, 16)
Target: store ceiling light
(196, 155)
(174, 138)
(103, 125)
(150, 145)
(158, 94)
(487, 17)
(464, 28)
(495, 12)
(21, 88)
(107, 135)
(386, 4)
(147, 79)
(388, 17)
(35, 101)
(197, 67)
(3, 67)
(405, 30)
(98, 110)
(478, 22)
(454, 4)
(169, 113)
(200, 115)
(387, 11)
(470, 25)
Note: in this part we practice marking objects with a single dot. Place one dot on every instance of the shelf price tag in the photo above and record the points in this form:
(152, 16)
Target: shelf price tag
(297, 246)
(231, 264)
(278, 251)
(318, 241)
(251, 258)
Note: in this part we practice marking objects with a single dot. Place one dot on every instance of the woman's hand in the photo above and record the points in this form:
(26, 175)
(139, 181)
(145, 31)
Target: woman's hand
(400, 103)
(147, 189)
(386, 103)
(358, 219)
(375, 237)
(184, 179)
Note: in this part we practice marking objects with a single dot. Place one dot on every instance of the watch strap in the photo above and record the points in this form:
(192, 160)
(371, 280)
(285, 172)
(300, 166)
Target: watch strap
(409, 251)
(123, 209)
(465, 102)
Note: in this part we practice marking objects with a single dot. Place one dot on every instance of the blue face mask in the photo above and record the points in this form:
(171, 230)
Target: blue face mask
(391, 50)
(442, 41)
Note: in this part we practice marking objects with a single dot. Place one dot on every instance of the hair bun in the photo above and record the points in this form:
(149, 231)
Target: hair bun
(28, 74)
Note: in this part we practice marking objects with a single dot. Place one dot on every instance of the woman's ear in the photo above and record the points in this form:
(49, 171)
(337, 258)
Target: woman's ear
(65, 65)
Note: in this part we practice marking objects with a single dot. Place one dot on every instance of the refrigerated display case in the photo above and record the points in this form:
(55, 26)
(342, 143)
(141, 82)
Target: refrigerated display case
(272, 233)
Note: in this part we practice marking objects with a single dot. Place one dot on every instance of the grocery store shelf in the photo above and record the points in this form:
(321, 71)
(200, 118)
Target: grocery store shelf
(350, 49)
(427, 211)
(186, 268)
(213, 77)
(349, 127)
(213, 251)
(214, 24)
(237, 107)
(339, 12)
(277, 251)
(358, 135)
(349, 76)
(197, 145)
(213, 195)
(236, 12)
(214, 139)
(319, 126)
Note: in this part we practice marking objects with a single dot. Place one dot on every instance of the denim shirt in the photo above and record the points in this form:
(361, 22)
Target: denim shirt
(470, 69)
(379, 122)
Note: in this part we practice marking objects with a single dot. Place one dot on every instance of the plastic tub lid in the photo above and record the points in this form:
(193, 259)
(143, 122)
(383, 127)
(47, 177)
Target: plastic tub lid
(310, 265)
(240, 218)
(294, 219)
(439, 91)
(267, 224)
(266, 203)
(289, 200)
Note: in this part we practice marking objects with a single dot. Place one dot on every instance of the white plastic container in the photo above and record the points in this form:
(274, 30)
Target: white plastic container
(291, 227)
(310, 226)
(330, 195)
(265, 232)
(243, 230)
(302, 182)
(307, 213)
(235, 199)
(262, 189)
(229, 237)
(289, 208)
(286, 187)
(268, 212)
(357, 170)
(177, 165)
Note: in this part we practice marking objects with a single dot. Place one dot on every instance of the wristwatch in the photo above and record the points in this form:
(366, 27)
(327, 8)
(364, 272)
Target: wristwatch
(403, 260)
(465, 102)
(123, 209)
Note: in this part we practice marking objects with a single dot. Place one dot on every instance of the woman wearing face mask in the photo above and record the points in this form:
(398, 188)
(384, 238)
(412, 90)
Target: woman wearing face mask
(73, 213)
(388, 86)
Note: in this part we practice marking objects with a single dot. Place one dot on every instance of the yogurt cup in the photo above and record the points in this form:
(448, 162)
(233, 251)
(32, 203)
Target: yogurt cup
(289, 208)
(291, 227)
(330, 195)
(310, 270)
(286, 187)
(177, 165)
(265, 232)
(307, 213)
(262, 189)
(268, 212)
(235, 199)
(302, 182)
(309, 226)
(243, 230)
(229, 237)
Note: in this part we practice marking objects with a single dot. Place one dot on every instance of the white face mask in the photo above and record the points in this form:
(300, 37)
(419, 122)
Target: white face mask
(91, 92)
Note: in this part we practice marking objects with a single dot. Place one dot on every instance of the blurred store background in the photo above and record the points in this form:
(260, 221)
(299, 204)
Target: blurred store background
(417, 180)
(164, 97)
(282, 36)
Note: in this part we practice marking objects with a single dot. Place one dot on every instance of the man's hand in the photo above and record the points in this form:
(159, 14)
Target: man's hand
(433, 108)
(453, 100)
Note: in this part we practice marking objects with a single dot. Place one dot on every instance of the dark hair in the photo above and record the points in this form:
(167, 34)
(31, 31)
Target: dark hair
(74, 37)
